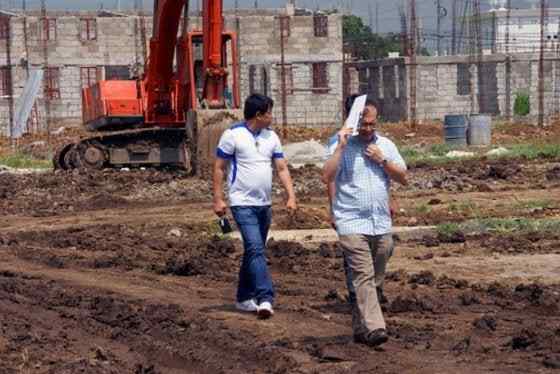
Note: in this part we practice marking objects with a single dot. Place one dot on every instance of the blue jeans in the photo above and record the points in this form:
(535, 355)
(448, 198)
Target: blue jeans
(254, 278)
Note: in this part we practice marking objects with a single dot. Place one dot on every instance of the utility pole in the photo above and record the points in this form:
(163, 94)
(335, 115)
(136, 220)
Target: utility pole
(462, 32)
(46, 93)
(404, 31)
(25, 40)
(508, 63)
(283, 23)
(454, 27)
(541, 66)
(370, 14)
(377, 17)
(412, 66)
(438, 40)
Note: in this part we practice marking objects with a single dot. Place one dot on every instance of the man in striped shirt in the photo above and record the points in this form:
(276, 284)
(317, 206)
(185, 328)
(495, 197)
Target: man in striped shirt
(362, 167)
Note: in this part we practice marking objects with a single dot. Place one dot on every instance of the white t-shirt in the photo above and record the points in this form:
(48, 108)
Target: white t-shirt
(250, 169)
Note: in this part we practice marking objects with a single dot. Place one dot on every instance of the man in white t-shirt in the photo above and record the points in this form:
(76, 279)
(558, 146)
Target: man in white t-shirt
(250, 149)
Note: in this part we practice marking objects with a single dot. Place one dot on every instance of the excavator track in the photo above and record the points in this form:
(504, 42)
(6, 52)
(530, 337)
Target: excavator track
(129, 148)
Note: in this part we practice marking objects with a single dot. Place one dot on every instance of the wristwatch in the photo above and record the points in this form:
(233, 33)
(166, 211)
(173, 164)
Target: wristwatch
(384, 162)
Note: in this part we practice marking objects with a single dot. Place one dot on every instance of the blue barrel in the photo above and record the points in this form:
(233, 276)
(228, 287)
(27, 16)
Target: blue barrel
(480, 130)
(455, 130)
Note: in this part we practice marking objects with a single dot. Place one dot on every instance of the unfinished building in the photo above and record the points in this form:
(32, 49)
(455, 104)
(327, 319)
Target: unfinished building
(75, 49)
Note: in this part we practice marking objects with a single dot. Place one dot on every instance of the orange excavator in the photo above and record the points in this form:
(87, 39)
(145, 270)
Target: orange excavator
(173, 114)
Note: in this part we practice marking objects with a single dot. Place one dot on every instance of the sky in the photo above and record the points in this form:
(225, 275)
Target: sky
(388, 13)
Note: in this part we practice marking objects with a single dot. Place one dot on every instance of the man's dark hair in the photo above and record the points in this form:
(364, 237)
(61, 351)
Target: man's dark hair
(350, 101)
(257, 104)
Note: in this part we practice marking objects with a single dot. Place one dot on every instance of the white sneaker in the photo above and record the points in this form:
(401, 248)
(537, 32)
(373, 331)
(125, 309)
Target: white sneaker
(249, 306)
(264, 310)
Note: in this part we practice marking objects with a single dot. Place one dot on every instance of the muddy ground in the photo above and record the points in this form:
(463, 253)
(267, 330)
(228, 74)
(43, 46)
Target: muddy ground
(125, 272)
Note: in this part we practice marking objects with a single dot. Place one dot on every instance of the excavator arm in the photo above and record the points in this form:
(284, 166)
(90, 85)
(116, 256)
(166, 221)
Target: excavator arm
(163, 97)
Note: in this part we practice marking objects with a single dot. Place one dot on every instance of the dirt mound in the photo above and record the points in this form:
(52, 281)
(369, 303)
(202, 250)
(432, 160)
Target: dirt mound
(160, 337)
(287, 255)
(520, 243)
(54, 193)
(301, 219)
(553, 174)
(412, 303)
(411, 334)
(486, 323)
(503, 171)
(425, 278)
(106, 246)
(307, 183)
(204, 259)
(469, 298)
(537, 337)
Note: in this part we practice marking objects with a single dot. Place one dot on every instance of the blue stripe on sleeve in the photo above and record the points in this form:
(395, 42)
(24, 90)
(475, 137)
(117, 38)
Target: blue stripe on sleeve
(234, 171)
(278, 155)
(222, 154)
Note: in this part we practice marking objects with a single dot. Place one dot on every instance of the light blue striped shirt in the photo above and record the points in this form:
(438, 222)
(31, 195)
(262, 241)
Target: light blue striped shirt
(361, 204)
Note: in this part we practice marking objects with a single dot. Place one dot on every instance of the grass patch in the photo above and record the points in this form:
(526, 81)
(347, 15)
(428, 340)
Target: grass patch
(21, 161)
(464, 207)
(534, 204)
(423, 208)
(440, 150)
(448, 229)
(534, 151)
(506, 226)
(435, 155)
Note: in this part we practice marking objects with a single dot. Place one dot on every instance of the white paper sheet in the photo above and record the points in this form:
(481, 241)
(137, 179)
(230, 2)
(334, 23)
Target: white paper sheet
(355, 115)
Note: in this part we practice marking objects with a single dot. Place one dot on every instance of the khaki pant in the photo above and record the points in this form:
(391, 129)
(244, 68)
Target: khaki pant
(367, 257)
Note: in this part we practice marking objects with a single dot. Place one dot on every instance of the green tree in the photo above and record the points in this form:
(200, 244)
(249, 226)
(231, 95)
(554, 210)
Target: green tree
(363, 44)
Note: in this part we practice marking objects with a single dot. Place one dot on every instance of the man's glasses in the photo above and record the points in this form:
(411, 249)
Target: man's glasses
(368, 125)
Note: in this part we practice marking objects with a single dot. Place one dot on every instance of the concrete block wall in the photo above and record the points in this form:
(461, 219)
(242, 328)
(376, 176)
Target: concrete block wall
(438, 85)
(118, 43)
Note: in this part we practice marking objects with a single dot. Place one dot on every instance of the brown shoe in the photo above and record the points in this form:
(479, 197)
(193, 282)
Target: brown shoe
(373, 338)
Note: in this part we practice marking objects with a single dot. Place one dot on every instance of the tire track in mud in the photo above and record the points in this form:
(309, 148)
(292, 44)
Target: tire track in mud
(161, 214)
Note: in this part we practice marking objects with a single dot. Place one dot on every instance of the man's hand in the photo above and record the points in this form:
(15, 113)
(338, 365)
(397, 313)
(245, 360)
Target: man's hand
(343, 136)
(374, 153)
(332, 222)
(393, 207)
(291, 204)
(220, 207)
